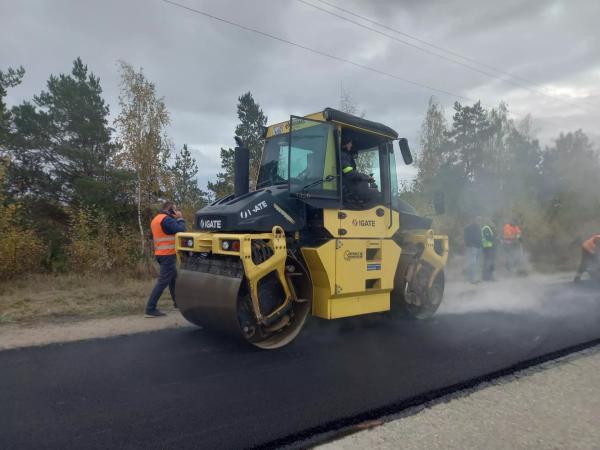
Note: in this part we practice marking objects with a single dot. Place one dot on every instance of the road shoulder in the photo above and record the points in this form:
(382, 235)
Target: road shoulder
(555, 406)
(17, 336)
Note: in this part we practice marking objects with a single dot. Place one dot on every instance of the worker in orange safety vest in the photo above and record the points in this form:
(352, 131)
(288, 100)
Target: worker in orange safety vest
(589, 253)
(511, 241)
(165, 225)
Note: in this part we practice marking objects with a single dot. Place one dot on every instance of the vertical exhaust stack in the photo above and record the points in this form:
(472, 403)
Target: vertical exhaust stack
(241, 168)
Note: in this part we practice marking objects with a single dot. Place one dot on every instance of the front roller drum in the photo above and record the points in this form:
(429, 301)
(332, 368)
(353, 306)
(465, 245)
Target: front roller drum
(209, 300)
(221, 303)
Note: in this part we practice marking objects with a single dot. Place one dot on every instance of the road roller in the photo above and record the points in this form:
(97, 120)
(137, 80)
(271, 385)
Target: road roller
(259, 262)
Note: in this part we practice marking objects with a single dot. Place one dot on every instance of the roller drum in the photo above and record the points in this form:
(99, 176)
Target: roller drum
(209, 300)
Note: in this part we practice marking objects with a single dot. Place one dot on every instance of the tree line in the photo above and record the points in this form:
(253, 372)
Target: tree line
(77, 191)
(490, 165)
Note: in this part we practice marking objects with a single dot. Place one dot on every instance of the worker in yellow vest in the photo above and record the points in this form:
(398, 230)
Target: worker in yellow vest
(165, 225)
(488, 244)
(589, 253)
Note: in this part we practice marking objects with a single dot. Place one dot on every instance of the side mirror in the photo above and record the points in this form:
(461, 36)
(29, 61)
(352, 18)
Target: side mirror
(439, 202)
(405, 151)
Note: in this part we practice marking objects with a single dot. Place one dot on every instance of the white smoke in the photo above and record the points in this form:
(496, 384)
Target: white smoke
(506, 295)
(511, 293)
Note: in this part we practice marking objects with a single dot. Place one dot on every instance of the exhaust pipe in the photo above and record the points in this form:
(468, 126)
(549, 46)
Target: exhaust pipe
(241, 168)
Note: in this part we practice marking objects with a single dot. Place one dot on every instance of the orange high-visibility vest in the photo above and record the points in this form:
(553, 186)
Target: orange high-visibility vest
(591, 243)
(511, 233)
(164, 244)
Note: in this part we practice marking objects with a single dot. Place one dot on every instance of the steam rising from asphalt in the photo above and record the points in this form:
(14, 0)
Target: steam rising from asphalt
(512, 293)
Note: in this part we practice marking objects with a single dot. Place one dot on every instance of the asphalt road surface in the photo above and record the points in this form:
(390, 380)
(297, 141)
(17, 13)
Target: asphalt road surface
(187, 388)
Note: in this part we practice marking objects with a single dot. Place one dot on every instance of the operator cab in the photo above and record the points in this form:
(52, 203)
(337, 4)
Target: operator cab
(305, 154)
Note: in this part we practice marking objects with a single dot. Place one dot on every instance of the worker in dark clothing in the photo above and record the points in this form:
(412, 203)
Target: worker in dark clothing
(488, 244)
(589, 255)
(359, 190)
(165, 225)
(472, 234)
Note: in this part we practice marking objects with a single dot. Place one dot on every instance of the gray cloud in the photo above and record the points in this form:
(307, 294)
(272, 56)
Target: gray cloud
(201, 66)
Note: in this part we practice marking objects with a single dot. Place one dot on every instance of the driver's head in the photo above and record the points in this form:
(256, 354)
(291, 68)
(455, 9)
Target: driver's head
(346, 143)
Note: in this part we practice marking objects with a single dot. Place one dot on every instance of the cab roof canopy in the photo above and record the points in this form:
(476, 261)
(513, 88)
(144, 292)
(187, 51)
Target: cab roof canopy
(345, 119)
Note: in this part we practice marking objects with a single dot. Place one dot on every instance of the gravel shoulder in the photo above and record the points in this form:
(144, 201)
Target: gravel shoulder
(555, 407)
(16, 336)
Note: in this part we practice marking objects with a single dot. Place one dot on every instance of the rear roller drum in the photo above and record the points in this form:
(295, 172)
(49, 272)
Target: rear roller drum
(419, 300)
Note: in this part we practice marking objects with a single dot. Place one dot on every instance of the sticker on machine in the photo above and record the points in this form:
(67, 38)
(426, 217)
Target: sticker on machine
(373, 266)
(210, 223)
(253, 209)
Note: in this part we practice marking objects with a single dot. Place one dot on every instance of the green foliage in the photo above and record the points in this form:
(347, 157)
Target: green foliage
(22, 250)
(223, 186)
(487, 165)
(146, 148)
(62, 153)
(8, 79)
(186, 192)
(66, 129)
(432, 141)
(250, 129)
(98, 246)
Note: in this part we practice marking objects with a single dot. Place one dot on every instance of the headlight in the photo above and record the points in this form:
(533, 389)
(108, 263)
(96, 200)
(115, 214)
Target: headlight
(232, 246)
(186, 242)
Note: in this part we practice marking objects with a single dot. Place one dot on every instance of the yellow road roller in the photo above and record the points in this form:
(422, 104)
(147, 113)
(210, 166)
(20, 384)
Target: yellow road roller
(302, 242)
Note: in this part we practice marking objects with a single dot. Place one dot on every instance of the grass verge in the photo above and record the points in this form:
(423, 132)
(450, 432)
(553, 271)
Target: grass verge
(58, 298)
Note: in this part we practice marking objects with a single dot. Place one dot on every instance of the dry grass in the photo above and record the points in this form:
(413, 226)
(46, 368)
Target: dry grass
(48, 298)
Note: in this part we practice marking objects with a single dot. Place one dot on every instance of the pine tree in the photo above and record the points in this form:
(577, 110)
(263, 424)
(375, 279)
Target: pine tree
(63, 145)
(186, 192)
(251, 130)
(62, 155)
(8, 79)
(469, 134)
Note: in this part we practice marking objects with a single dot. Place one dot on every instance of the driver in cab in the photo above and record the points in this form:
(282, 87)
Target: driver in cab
(360, 188)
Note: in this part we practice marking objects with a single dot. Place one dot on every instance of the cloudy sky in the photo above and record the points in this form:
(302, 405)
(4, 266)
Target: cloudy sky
(201, 65)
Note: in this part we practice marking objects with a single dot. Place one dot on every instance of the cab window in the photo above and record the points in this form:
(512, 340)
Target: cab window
(367, 162)
(312, 158)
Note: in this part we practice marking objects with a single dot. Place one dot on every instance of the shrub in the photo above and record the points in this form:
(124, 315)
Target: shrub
(21, 249)
(98, 246)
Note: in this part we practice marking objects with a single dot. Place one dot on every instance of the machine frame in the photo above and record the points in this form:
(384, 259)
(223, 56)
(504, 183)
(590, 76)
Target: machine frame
(318, 256)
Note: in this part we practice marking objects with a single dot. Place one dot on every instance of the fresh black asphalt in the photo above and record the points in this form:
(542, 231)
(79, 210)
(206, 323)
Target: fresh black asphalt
(187, 388)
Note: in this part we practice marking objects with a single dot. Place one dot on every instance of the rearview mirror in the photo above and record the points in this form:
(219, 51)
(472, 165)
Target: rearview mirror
(405, 151)
(439, 202)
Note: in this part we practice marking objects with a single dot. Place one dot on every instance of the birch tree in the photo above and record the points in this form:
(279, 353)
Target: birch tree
(432, 140)
(145, 145)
